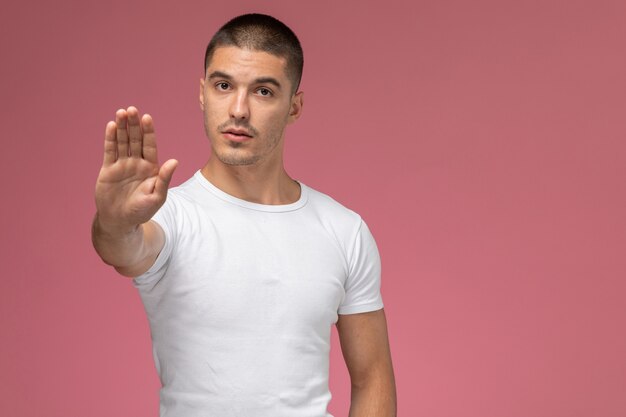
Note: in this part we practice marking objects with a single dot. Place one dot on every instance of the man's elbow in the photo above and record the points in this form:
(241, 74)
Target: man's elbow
(381, 374)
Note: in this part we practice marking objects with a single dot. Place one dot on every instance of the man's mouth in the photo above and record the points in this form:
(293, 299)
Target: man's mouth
(237, 135)
(238, 132)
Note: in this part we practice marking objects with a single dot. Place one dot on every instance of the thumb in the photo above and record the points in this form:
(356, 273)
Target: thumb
(165, 176)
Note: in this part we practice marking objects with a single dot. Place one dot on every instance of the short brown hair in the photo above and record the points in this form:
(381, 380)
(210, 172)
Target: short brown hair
(261, 33)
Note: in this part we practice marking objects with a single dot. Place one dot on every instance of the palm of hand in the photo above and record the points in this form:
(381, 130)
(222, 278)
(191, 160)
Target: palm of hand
(131, 187)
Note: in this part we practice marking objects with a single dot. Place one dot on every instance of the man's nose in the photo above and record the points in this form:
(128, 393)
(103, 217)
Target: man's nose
(239, 106)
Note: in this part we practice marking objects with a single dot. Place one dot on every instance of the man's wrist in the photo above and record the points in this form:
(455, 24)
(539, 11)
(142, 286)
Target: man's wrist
(112, 229)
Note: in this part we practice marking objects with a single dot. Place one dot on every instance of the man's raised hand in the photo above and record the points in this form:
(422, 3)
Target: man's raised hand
(131, 186)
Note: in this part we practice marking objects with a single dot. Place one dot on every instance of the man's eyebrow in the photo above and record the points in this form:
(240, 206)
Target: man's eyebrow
(268, 80)
(262, 80)
(219, 74)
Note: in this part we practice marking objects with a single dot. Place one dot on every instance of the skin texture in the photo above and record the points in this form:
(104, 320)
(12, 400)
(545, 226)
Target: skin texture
(250, 91)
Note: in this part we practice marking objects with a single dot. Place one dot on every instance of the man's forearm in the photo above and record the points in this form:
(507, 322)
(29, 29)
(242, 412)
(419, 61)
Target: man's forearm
(377, 398)
(117, 248)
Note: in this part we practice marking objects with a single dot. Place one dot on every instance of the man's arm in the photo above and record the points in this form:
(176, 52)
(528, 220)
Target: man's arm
(365, 348)
(131, 187)
(131, 253)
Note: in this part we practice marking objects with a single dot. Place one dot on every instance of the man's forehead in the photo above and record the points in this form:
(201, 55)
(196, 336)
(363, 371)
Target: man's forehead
(236, 56)
(248, 65)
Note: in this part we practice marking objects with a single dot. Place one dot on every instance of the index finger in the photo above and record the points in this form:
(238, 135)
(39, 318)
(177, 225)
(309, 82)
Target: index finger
(149, 149)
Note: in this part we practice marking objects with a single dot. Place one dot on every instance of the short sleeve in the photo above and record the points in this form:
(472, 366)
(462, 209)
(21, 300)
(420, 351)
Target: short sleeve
(362, 286)
(166, 218)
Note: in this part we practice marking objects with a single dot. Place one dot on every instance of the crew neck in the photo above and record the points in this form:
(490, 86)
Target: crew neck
(274, 208)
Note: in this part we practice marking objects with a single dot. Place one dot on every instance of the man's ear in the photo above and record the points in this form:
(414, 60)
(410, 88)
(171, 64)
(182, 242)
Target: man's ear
(202, 94)
(297, 101)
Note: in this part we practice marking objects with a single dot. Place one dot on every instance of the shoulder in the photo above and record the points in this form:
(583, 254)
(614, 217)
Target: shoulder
(336, 217)
(191, 185)
(189, 192)
(324, 202)
(181, 205)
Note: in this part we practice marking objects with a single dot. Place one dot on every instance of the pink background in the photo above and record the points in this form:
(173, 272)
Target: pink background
(483, 142)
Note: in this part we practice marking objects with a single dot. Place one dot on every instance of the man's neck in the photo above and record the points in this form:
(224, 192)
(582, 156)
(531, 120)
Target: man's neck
(257, 183)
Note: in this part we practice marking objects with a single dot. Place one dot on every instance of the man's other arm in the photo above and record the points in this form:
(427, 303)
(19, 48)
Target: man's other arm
(365, 348)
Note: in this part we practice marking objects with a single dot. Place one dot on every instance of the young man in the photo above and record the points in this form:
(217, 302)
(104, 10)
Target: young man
(243, 270)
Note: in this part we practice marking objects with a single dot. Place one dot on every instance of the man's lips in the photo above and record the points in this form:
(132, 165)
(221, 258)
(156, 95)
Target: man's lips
(237, 135)
(238, 132)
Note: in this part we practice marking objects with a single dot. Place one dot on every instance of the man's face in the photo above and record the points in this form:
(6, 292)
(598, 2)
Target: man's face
(247, 103)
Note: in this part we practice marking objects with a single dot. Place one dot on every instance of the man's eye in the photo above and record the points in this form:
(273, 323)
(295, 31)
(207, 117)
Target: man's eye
(222, 86)
(265, 92)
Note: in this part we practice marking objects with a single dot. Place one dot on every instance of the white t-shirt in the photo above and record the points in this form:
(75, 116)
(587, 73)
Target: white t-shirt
(242, 298)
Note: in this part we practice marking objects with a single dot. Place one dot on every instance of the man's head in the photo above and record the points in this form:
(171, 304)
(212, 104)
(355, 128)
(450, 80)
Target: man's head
(248, 93)
(260, 32)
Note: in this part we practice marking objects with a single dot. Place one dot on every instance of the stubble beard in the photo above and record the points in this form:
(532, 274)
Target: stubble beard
(231, 156)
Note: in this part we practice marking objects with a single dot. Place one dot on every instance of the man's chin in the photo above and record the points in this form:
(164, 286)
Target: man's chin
(236, 160)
